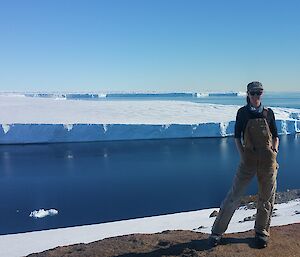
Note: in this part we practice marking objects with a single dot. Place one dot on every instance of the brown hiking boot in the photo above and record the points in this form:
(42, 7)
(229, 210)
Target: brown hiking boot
(261, 240)
(214, 240)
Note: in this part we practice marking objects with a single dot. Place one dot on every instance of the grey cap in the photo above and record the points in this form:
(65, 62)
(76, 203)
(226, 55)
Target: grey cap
(255, 85)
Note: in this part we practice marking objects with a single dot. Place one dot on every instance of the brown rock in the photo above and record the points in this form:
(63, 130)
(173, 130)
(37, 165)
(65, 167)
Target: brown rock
(214, 214)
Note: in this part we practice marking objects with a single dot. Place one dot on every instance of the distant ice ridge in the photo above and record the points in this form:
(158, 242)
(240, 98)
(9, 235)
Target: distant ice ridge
(41, 213)
(45, 120)
(227, 94)
(145, 95)
(95, 96)
(59, 96)
(216, 94)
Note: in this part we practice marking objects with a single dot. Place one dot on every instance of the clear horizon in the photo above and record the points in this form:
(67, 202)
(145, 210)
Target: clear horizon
(141, 91)
(132, 45)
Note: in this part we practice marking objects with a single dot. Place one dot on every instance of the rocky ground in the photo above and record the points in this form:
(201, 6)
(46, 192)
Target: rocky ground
(284, 241)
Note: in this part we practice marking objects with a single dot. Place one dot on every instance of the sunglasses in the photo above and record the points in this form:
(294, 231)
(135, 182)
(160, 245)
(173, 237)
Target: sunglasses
(258, 93)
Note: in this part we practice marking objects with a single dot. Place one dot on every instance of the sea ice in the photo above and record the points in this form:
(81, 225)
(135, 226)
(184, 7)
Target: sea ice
(42, 119)
(41, 213)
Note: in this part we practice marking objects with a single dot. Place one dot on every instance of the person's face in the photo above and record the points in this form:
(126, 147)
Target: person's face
(255, 97)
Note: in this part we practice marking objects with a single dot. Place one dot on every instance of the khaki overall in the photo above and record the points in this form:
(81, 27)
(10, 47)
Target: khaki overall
(258, 159)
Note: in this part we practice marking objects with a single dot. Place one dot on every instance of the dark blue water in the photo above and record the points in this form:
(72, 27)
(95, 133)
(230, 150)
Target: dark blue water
(99, 182)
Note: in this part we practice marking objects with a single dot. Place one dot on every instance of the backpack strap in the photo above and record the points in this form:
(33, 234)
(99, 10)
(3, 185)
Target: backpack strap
(265, 112)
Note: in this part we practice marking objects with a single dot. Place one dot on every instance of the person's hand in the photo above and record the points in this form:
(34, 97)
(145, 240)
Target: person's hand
(274, 149)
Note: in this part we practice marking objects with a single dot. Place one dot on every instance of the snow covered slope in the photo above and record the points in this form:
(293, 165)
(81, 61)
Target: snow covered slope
(16, 245)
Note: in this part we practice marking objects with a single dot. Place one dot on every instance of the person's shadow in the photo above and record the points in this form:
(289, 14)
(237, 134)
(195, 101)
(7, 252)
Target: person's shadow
(192, 246)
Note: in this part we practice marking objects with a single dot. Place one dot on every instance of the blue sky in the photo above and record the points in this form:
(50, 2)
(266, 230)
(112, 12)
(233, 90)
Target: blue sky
(166, 45)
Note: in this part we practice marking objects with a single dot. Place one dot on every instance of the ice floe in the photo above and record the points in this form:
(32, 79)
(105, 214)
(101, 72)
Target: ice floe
(41, 213)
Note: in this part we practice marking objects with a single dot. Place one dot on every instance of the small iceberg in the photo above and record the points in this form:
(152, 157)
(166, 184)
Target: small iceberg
(42, 213)
(202, 94)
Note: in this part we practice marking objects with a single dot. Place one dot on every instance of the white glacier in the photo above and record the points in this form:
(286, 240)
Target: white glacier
(45, 120)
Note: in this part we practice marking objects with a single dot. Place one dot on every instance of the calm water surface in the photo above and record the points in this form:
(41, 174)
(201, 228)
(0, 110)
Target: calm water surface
(99, 182)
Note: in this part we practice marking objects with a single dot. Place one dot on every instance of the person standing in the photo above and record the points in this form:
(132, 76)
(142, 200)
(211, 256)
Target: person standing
(257, 142)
